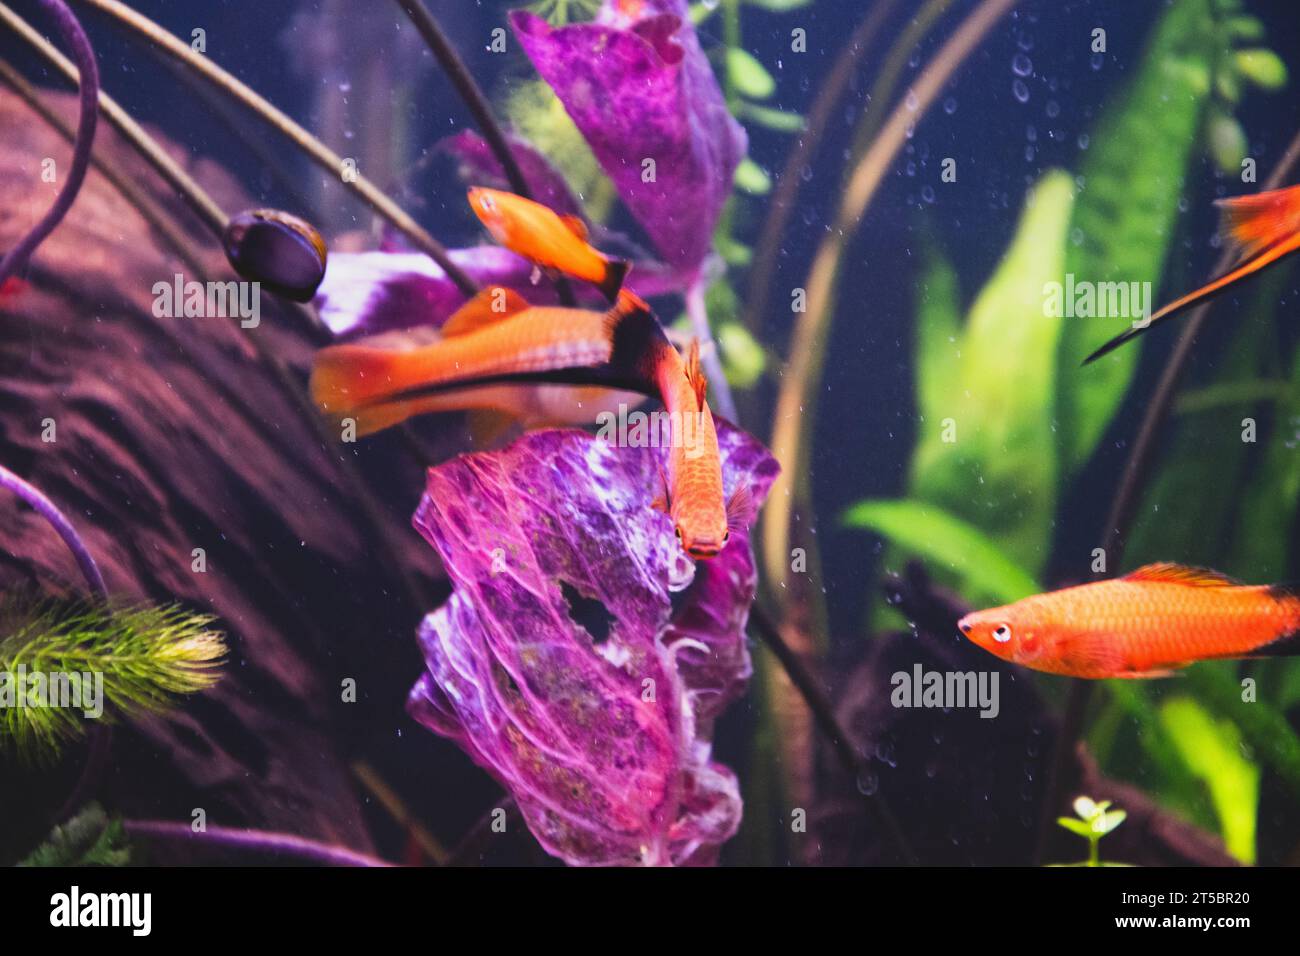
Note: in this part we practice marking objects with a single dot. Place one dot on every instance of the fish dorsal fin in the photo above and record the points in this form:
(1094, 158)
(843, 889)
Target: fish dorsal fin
(575, 226)
(694, 374)
(490, 306)
(1169, 573)
(1257, 222)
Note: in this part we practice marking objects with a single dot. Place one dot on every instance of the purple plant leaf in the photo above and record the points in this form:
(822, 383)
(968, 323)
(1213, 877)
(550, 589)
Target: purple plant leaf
(559, 664)
(366, 293)
(639, 88)
(480, 167)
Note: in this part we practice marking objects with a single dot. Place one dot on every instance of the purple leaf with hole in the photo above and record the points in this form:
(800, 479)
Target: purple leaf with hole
(582, 657)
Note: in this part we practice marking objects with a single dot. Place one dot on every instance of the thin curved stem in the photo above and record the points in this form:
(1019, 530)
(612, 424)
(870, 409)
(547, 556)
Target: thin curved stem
(84, 55)
(791, 430)
(258, 841)
(143, 204)
(59, 522)
(204, 206)
(763, 270)
(461, 78)
(1124, 504)
(317, 151)
(824, 716)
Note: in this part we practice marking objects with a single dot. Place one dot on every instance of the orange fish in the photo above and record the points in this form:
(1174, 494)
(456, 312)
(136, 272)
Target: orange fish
(540, 234)
(1267, 228)
(541, 365)
(1147, 624)
(693, 494)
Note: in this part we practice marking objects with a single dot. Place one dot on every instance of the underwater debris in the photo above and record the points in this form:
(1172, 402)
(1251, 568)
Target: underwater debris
(604, 744)
(642, 92)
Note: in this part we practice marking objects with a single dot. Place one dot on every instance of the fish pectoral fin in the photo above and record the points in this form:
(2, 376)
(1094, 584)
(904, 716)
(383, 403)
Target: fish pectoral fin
(490, 306)
(1145, 675)
(575, 226)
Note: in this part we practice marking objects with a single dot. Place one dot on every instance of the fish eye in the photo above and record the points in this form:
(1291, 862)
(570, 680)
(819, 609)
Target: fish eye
(1002, 634)
(726, 536)
(678, 531)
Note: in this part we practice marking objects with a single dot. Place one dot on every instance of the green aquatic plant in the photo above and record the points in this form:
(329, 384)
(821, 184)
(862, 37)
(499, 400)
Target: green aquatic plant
(1133, 179)
(1092, 822)
(1212, 749)
(125, 661)
(91, 838)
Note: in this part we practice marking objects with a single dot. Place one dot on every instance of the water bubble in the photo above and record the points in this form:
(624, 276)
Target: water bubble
(345, 87)
(1053, 109)
(911, 102)
(805, 173)
(950, 105)
(1031, 133)
(1097, 60)
(927, 193)
(1021, 65)
(1083, 141)
(1020, 91)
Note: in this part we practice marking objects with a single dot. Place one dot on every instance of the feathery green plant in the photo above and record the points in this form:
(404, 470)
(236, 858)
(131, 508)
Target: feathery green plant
(90, 838)
(147, 655)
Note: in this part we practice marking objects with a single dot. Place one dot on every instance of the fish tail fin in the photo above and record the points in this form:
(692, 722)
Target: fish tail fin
(615, 272)
(1265, 226)
(354, 381)
(637, 340)
(1258, 221)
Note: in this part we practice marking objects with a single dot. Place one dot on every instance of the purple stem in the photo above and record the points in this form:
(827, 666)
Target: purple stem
(83, 54)
(276, 844)
(50, 512)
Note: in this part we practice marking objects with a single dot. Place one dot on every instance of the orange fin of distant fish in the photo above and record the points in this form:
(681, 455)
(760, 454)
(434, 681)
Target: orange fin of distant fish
(740, 509)
(1257, 222)
(1169, 573)
(694, 374)
(491, 305)
(1266, 226)
(575, 226)
(1143, 675)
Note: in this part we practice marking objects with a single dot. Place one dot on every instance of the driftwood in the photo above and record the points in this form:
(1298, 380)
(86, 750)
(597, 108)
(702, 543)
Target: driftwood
(173, 434)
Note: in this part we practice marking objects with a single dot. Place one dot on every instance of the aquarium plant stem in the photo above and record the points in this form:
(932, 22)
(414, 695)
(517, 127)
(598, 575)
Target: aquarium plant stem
(1124, 505)
(143, 204)
(698, 312)
(762, 274)
(317, 151)
(258, 841)
(792, 427)
(88, 117)
(824, 715)
(445, 53)
(50, 512)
